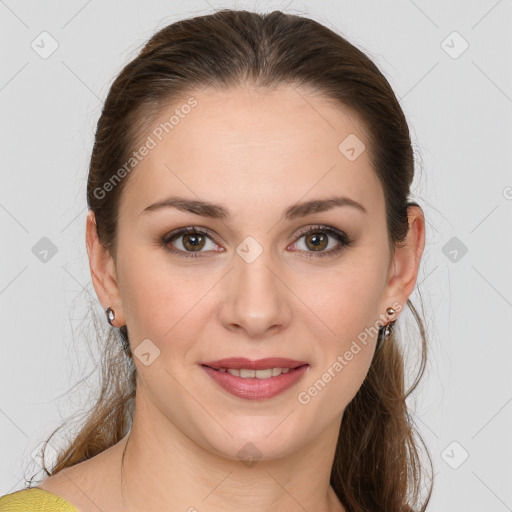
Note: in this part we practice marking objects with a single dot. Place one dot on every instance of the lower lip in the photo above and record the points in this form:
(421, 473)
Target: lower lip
(253, 388)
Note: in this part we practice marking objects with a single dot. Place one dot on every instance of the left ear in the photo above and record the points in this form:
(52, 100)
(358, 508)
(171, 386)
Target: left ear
(404, 267)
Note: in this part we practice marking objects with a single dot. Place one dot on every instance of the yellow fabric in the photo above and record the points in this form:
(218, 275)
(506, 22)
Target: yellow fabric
(35, 500)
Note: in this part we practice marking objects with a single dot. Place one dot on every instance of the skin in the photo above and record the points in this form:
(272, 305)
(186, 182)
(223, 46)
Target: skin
(256, 153)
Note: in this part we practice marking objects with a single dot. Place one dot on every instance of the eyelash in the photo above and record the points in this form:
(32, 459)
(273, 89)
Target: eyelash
(340, 236)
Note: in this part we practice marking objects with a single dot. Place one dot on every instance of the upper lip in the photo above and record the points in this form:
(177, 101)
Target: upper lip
(259, 364)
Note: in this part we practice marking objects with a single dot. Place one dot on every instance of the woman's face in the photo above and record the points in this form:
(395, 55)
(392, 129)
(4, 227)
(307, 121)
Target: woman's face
(253, 286)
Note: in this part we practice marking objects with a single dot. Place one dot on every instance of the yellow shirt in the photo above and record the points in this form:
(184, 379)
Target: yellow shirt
(35, 499)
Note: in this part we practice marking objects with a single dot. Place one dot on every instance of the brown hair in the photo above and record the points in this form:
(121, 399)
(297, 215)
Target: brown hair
(377, 464)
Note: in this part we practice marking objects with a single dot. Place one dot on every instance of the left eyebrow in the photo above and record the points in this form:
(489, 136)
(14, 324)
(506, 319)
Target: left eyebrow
(220, 211)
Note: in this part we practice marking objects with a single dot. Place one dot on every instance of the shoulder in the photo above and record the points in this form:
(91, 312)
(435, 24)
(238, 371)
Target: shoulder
(35, 500)
(90, 485)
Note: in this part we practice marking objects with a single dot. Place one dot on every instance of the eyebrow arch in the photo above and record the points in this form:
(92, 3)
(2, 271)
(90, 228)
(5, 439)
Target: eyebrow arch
(219, 211)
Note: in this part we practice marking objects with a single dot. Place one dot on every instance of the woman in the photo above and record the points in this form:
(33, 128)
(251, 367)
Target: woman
(251, 239)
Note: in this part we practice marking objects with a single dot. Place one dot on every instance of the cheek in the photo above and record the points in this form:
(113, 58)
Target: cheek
(347, 300)
(344, 361)
(349, 307)
(156, 296)
(169, 305)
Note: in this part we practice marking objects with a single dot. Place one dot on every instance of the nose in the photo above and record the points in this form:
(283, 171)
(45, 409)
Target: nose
(256, 297)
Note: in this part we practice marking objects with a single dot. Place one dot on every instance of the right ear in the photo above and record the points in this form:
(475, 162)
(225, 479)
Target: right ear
(103, 271)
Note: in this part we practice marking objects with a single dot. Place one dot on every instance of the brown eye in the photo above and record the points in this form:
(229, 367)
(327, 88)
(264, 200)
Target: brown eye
(317, 238)
(188, 242)
(193, 241)
(316, 241)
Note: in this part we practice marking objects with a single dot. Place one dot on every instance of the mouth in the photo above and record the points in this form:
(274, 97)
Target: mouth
(261, 379)
(248, 373)
(260, 369)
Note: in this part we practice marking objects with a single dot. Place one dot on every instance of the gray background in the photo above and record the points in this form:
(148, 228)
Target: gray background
(458, 104)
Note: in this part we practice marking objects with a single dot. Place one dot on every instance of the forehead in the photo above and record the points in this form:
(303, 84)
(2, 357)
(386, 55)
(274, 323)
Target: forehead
(251, 148)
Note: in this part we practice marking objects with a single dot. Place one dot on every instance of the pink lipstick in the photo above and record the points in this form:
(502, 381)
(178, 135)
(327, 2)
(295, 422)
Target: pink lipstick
(256, 380)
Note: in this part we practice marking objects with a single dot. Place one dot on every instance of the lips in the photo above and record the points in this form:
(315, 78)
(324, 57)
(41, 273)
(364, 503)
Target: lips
(259, 364)
(257, 388)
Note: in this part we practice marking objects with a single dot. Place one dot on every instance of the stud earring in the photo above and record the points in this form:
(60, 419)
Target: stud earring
(111, 315)
(388, 328)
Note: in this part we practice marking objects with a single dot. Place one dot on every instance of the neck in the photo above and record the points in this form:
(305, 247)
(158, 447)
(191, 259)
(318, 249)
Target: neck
(162, 468)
